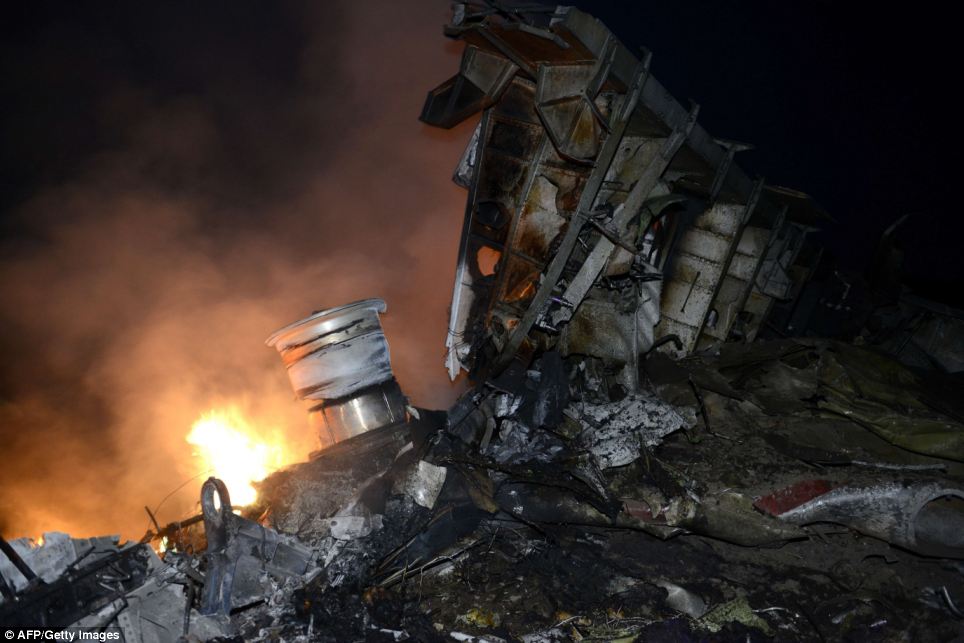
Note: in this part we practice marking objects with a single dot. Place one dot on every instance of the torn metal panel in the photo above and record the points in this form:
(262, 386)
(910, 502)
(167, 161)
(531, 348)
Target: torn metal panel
(586, 198)
(346, 526)
(559, 91)
(655, 100)
(789, 263)
(423, 482)
(465, 170)
(713, 314)
(882, 395)
(83, 588)
(48, 559)
(890, 511)
(740, 281)
(616, 433)
(508, 228)
(159, 611)
(614, 326)
(458, 339)
(481, 80)
(796, 316)
(565, 157)
(569, 103)
(518, 443)
(755, 312)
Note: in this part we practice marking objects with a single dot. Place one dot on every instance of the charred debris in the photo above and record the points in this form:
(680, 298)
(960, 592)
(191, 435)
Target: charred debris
(654, 446)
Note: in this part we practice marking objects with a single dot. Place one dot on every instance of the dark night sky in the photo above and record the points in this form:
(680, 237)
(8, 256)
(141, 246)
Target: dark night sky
(843, 102)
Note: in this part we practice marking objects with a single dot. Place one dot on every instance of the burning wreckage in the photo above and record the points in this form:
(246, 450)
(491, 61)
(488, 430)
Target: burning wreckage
(633, 460)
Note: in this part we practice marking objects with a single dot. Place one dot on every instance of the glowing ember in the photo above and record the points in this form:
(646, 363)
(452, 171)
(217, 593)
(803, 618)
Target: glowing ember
(234, 451)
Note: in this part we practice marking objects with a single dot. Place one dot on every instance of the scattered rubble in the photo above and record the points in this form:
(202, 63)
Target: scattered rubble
(632, 461)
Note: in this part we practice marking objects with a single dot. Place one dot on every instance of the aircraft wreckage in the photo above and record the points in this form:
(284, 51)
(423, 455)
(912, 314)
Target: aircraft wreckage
(632, 461)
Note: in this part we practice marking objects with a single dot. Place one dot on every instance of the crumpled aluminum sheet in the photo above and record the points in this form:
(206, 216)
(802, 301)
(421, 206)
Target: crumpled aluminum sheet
(886, 510)
(616, 432)
(519, 443)
(423, 483)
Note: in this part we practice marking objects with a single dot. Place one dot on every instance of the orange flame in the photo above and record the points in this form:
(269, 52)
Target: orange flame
(230, 448)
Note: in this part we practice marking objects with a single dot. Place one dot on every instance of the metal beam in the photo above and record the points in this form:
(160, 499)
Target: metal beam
(594, 264)
(759, 264)
(576, 222)
(731, 147)
(747, 213)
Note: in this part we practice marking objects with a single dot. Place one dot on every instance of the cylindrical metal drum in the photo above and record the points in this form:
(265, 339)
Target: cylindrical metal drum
(338, 362)
(373, 408)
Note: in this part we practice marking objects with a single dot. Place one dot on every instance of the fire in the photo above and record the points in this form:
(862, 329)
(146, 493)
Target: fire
(230, 448)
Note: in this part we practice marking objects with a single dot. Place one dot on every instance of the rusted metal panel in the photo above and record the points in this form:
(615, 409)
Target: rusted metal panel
(539, 222)
(572, 118)
(518, 102)
(480, 82)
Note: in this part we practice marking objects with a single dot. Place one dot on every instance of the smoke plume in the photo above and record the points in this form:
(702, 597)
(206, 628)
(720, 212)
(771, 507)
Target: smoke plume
(244, 189)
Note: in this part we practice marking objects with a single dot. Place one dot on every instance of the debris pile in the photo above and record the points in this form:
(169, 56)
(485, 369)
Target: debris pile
(631, 461)
(728, 494)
